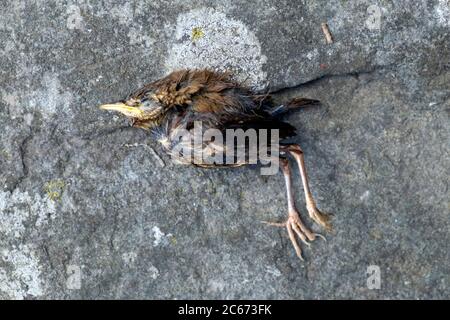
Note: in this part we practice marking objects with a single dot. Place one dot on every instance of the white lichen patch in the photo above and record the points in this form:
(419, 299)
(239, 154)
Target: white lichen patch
(207, 38)
(25, 278)
(50, 99)
(17, 208)
(442, 12)
(20, 211)
(160, 237)
(153, 272)
(12, 102)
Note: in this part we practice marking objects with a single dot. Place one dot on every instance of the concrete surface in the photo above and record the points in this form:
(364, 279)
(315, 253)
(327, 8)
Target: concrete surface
(86, 213)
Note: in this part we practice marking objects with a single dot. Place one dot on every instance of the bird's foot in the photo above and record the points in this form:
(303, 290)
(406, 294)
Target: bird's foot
(319, 217)
(295, 226)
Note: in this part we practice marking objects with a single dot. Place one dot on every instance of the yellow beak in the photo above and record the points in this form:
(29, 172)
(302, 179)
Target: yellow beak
(128, 111)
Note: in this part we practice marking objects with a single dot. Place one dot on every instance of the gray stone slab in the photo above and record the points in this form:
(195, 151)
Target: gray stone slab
(79, 198)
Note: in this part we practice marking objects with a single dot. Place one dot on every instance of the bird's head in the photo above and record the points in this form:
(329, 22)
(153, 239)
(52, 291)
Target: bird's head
(144, 113)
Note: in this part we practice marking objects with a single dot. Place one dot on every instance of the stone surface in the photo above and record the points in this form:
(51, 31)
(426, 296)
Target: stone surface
(88, 211)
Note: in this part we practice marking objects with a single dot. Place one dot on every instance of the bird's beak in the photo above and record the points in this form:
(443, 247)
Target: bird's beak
(124, 109)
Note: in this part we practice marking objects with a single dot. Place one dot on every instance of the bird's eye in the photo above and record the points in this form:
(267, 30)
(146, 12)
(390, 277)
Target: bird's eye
(148, 103)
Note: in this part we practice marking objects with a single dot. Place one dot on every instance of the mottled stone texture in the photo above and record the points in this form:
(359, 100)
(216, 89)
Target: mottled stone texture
(86, 213)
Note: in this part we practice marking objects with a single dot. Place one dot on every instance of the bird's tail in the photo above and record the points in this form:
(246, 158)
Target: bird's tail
(292, 105)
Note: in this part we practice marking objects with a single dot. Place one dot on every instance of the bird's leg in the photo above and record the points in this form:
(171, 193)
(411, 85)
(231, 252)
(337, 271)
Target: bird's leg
(293, 224)
(319, 217)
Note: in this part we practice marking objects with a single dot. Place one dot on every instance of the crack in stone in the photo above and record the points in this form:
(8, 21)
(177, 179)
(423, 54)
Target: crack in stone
(22, 154)
(105, 132)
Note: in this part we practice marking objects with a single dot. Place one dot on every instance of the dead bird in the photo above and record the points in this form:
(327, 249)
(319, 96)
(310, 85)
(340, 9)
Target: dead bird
(185, 97)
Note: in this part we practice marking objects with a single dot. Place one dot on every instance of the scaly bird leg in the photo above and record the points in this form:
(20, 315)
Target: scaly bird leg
(319, 217)
(293, 224)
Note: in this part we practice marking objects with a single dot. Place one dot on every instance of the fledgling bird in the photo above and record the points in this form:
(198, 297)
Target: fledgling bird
(185, 97)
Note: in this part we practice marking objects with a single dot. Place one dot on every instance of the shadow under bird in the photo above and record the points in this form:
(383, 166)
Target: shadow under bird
(185, 97)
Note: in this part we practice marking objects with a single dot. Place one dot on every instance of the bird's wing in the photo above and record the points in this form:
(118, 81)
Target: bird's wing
(216, 100)
(202, 91)
(258, 120)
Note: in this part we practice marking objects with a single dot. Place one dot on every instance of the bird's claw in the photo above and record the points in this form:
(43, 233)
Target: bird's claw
(319, 217)
(295, 226)
(320, 236)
